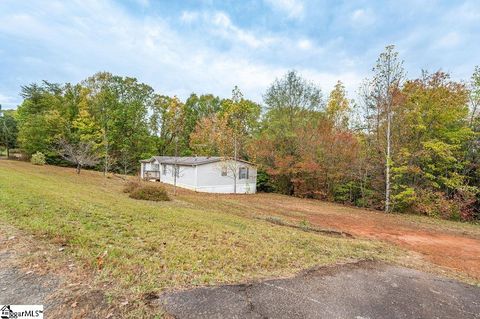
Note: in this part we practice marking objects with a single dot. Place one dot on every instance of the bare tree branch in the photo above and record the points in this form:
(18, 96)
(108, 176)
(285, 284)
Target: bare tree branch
(80, 154)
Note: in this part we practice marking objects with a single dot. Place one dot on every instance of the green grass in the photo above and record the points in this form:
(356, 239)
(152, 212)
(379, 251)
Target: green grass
(151, 246)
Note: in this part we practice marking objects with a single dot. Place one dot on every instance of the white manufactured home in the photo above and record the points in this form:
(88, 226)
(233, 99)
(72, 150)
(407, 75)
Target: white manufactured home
(202, 174)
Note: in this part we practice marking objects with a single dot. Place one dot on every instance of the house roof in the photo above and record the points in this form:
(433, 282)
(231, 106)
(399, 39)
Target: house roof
(188, 160)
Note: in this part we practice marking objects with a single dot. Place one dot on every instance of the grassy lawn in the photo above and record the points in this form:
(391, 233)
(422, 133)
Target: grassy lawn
(149, 247)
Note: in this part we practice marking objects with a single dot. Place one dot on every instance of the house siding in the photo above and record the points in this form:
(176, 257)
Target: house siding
(185, 179)
(210, 179)
(207, 177)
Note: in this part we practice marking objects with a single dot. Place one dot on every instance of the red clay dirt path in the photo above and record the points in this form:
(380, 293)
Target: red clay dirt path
(452, 245)
(449, 248)
(452, 251)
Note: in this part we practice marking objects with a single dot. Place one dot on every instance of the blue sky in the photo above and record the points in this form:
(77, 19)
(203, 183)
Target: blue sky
(179, 47)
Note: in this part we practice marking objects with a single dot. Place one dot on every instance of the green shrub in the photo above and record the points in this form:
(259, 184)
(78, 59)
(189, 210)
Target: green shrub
(264, 183)
(460, 207)
(150, 192)
(435, 204)
(38, 159)
(131, 186)
(404, 199)
(347, 192)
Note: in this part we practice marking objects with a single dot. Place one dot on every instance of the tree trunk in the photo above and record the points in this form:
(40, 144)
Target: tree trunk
(105, 169)
(175, 168)
(175, 179)
(387, 162)
(78, 168)
(8, 152)
(105, 141)
(235, 163)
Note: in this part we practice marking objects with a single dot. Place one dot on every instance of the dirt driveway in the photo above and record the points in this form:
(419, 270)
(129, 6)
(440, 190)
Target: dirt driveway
(453, 251)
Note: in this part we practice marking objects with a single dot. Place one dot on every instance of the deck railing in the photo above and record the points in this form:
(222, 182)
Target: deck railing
(151, 175)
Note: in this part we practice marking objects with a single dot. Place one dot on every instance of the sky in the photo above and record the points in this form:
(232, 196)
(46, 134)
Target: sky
(207, 46)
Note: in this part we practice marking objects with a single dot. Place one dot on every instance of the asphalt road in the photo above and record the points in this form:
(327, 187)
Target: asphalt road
(20, 288)
(359, 291)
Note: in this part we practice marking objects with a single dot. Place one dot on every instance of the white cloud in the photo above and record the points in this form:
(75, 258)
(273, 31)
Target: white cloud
(305, 44)
(362, 17)
(81, 38)
(450, 40)
(143, 3)
(219, 23)
(189, 16)
(228, 30)
(24, 25)
(467, 12)
(292, 8)
(99, 36)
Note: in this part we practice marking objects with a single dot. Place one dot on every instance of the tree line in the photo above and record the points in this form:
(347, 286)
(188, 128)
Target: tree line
(405, 145)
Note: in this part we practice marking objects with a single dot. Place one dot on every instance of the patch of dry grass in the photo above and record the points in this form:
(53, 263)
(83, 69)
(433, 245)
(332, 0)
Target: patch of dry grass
(130, 186)
(146, 191)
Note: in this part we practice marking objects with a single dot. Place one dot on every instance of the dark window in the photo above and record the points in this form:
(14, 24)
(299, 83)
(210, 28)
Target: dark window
(224, 171)
(243, 173)
(155, 167)
(164, 169)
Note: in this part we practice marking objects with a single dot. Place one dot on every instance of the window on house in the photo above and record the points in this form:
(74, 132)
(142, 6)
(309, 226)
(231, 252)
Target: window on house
(224, 171)
(243, 173)
(155, 167)
(164, 169)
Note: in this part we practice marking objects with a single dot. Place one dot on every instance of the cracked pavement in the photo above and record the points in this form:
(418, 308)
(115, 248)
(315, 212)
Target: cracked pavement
(361, 290)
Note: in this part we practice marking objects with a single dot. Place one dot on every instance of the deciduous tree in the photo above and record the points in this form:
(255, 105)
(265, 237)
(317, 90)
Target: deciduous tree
(8, 130)
(80, 154)
(291, 103)
(386, 81)
(338, 106)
